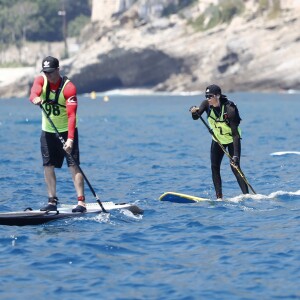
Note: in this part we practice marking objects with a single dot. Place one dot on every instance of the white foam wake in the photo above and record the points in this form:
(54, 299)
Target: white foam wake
(271, 196)
(284, 153)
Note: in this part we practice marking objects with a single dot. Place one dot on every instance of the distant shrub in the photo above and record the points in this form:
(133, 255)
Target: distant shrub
(276, 9)
(272, 7)
(214, 15)
(75, 26)
(230, 8)
(174, 8)
(263, 5)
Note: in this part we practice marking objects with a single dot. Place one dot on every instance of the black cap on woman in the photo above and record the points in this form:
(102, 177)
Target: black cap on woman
(213, 89)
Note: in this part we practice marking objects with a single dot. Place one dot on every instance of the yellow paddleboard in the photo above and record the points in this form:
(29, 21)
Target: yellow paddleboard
(180, 198)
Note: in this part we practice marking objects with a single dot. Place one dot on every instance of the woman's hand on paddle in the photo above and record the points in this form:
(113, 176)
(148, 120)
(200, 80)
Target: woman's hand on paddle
(235, 162)
(68, 146)
(195, 112)
(194, 109)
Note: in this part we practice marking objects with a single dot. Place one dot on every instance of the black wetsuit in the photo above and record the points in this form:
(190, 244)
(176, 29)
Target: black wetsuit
(216, 153)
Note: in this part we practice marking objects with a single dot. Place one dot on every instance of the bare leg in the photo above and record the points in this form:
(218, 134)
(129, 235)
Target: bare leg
(78, 181)
(50, 179)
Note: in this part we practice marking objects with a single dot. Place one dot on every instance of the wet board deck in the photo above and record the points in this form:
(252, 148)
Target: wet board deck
(180, 198)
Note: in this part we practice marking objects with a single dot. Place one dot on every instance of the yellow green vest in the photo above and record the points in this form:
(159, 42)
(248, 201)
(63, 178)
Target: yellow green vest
(56, 110)
(221, 129)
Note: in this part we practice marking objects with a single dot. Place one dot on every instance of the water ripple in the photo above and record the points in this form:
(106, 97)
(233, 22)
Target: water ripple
(245, 247)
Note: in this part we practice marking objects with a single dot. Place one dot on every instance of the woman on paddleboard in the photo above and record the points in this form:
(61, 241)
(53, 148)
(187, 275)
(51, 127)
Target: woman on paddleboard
(57, 95)
(223, 118)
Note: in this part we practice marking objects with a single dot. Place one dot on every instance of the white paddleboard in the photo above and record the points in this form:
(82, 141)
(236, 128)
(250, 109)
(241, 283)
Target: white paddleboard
(35, 217)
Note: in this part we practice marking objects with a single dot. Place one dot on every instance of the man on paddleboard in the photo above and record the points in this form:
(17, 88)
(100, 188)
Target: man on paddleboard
(58, 96)
(223, 118)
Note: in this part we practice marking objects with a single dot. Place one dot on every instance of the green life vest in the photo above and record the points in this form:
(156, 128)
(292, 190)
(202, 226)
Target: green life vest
(55, 106)
(220, 126)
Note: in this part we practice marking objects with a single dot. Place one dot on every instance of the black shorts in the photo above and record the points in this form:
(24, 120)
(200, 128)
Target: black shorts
(52, 150)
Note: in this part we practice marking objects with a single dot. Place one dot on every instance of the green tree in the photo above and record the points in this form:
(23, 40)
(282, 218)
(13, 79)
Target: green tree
(51, 23)
(75, 26)
(37, 20)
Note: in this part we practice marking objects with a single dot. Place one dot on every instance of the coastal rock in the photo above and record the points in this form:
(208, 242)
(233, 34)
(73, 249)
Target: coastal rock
(252, 53)
(125, 68)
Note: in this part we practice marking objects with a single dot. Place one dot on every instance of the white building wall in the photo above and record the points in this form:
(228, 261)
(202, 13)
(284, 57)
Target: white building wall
(104, 9)
(290, 4)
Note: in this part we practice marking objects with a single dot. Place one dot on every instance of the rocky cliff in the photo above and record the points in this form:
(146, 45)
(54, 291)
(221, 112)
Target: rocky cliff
(252, 52)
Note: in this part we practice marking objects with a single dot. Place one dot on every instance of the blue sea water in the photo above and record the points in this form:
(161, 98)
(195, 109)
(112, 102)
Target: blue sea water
(134, 148)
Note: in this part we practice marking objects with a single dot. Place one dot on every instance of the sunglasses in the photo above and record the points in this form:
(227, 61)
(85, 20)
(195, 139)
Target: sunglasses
(50, 72)
(208, 96)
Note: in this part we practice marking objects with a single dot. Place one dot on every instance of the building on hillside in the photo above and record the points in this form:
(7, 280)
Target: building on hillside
(104, 9)
(290, 4)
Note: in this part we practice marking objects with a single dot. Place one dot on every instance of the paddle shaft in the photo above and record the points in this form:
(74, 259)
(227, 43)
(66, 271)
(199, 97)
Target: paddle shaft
(231, 159)
(71, 156)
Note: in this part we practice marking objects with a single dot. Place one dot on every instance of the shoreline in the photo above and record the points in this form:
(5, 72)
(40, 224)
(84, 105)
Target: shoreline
(10, 75)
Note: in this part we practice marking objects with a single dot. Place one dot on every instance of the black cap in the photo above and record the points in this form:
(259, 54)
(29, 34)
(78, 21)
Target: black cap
(213, 89)
(49, 64)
